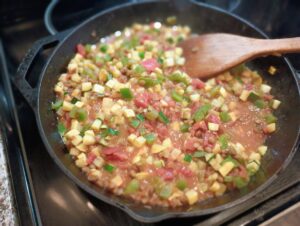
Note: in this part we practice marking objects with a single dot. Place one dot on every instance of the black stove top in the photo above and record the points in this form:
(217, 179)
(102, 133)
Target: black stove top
(45, 196)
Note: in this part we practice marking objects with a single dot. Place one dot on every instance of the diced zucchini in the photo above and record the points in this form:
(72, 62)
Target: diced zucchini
(126, 93)
(96, 125)
(61, 128)
(136, 141)
(199, 154)
(192, 196)
(81, 160)
(181, 184)
(166, 191)
(244, 95)
(88, 139)
(76, 140)
(129, 113)
(141, 175)
(151, 115)
(272, 70)
(223, 140)
(275, 104)
(223, 92)
(72, 133)
(209, 156)
(109, 168)
(135, 123)
(156, 148)
(270, 118)
(98, 89)
(132, 186)
(86, 86)
(150, 138)
(270, 128)
(167, 143)
(239, 182)
(163, 118)
(260, 103)
(117, 181)
(184, 127)
(202, 112)
(253, 97)
(252, 167)
(262, 150)
(213, 126)
(176, 96)
(188, 158)
(226, 168)
(265, 88)
(56, 105)
(67, 106)
(195, 97)
(225, 117)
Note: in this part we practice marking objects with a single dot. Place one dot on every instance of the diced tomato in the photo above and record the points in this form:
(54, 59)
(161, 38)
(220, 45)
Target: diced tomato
(142, 100)
(173, 115)
(150, 64)
(249, 86)
(166, 173)
(185, 171)
(81, 50)
(213, 118)
(162, 131)
(198, 128)
(144, 38)
(91, 157)
(67, 120)
(131, 130)
(268, 97)
(243, 172)
(189, 145)
(197, 83)
(115, 154)
(209, 139)
(110, 150)
(150, 125)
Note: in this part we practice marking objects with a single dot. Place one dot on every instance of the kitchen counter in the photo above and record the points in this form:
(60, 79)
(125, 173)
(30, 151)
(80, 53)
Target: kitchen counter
(7, 212)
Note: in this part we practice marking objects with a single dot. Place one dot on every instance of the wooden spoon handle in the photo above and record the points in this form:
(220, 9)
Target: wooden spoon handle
(277, 46)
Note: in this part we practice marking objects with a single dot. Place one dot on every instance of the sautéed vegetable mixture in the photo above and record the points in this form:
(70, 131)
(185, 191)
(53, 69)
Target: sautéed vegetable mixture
(139, 126)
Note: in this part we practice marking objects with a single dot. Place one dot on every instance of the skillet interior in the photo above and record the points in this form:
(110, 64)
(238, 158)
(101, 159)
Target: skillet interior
(201, 19)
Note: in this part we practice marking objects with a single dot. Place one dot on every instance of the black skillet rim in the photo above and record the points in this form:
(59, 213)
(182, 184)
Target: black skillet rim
(125, 208)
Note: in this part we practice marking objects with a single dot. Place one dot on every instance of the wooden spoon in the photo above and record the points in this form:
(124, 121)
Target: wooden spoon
(210, 54)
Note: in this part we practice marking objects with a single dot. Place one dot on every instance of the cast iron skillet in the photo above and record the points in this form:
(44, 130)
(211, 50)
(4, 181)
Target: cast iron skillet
(202, 19)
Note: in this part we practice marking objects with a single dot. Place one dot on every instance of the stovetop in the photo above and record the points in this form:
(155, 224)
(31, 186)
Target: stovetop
(45, 196)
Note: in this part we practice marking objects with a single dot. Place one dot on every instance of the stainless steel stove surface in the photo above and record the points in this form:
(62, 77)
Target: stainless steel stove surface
(45, 196)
